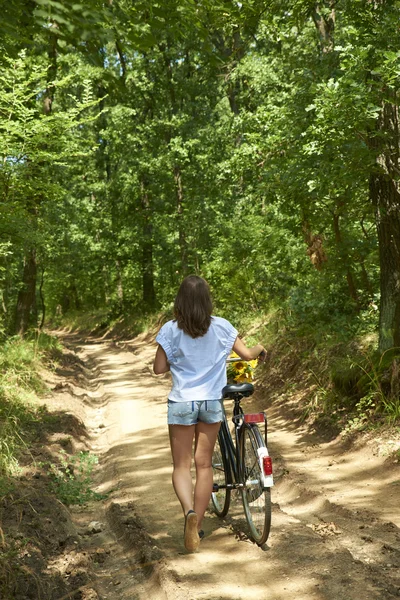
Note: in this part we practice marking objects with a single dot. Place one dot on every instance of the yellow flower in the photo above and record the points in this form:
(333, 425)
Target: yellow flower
(239, 366)
(241, 371)
(241, 378)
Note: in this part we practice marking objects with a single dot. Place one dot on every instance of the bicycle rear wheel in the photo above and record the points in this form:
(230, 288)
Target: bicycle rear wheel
(220, 496)
(256, 499)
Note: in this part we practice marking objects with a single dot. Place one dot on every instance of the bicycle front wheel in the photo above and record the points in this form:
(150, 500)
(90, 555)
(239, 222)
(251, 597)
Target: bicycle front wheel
(256, 499)
(221, 495)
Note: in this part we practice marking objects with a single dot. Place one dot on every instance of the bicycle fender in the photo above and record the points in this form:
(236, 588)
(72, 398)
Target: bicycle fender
(267, 480)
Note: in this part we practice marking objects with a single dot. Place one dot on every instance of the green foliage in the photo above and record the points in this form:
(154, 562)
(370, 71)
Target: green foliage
(339, 380)
(35, 147)
(16, 418)
(72, 478)
(144, 142)
(379, 385)
(19, 383)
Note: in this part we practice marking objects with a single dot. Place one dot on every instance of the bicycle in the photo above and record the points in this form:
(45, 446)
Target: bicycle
(244, 465)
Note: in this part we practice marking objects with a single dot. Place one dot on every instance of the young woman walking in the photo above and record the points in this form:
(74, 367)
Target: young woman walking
(194, 347)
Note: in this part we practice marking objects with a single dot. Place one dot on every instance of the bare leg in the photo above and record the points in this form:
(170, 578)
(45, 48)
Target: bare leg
(206, 435)
(181, 440)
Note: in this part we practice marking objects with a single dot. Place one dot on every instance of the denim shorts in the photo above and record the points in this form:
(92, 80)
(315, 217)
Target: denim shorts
(190, 413)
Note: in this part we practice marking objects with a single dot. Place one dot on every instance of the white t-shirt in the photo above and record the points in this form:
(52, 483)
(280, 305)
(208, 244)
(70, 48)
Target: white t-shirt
(198, 365)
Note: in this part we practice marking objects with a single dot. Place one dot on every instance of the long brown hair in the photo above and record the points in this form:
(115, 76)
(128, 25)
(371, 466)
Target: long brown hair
(193, 306)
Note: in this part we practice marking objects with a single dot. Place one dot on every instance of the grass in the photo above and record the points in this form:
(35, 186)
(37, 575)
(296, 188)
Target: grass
(333, 358)
(20, 382)
(71, 479)
(101, 322)
(337, 372)
(21, 362)
(84, 322)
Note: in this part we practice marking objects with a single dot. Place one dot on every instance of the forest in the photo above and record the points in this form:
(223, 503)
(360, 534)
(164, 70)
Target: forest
(254, 143)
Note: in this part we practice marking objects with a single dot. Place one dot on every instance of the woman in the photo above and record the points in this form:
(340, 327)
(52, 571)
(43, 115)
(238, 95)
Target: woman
(194, 347)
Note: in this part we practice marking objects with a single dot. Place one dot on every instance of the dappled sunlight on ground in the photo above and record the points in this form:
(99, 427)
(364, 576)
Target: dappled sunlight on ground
(301, 561)
(139, 453)
(354, 479)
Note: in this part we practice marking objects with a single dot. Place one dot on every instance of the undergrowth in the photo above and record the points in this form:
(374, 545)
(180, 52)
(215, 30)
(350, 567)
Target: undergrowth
(104, 322)
(331, 358)
(20, 381)
(71, 479)
(333, 368)
(21, 362)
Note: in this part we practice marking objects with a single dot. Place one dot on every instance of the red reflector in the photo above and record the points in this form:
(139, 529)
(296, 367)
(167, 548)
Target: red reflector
(267, 465)
(255, 418)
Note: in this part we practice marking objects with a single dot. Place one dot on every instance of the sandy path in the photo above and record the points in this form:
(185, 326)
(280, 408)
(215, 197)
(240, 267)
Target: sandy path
(335, 525)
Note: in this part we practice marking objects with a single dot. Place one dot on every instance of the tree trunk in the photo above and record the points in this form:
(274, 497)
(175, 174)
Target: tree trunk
(386, 199)
(120, 286)
(365, 278)
(344, 258)
(232, 49)
(52, 69)
(324, 21)
(106, 287)
(181, 225)
(149, 295)
(42, 302)
(315, 246)
(384, 190)
(27, 294)
(177, 173)
(74, 293)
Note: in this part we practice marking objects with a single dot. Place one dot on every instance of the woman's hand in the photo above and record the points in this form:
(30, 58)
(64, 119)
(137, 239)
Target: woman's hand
(262, 357)
(257, 351)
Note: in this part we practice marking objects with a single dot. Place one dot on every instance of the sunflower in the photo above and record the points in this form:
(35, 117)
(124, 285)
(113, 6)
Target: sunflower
(241, 371)
(240, 366)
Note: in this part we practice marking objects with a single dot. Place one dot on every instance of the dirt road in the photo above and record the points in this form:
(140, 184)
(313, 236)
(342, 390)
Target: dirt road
(335, 532)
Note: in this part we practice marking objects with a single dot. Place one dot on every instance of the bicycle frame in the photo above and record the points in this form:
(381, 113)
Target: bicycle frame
(233, 450)
(234, 455)
(242, 462)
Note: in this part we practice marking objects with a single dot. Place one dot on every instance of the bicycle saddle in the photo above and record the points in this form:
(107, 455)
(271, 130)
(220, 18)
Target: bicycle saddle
(244, 389)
